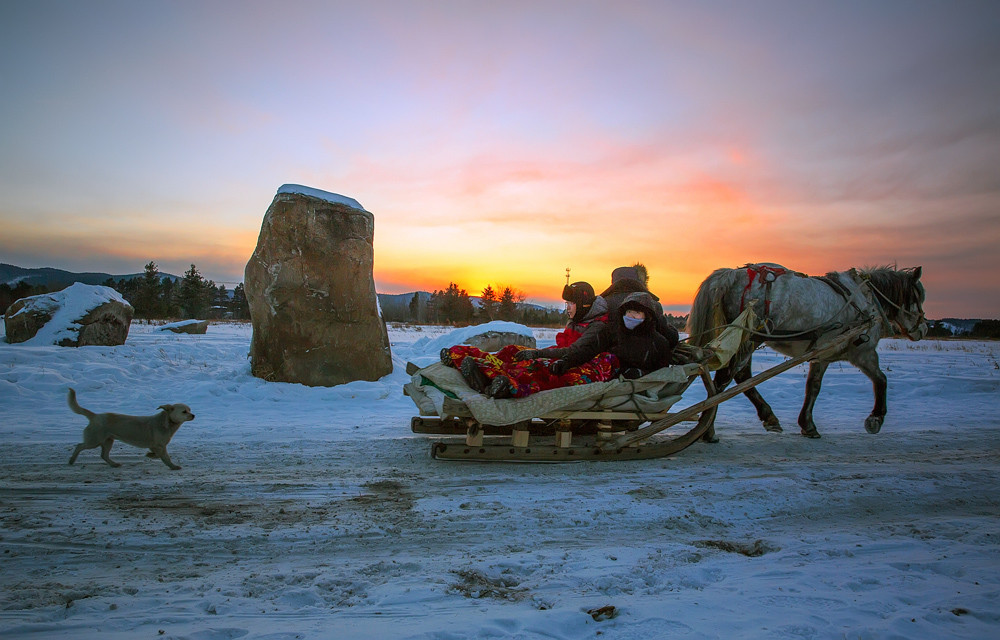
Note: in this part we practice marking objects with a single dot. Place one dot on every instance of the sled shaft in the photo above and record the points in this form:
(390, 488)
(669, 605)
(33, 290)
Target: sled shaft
(722, 396)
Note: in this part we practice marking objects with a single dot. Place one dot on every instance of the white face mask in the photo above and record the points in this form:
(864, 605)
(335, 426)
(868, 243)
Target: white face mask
(632, 323)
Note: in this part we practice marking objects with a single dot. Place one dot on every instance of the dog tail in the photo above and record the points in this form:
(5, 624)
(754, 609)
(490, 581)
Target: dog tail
(76, 408)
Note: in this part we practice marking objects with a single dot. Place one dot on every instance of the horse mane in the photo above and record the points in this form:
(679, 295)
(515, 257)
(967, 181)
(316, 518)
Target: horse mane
(895, 284)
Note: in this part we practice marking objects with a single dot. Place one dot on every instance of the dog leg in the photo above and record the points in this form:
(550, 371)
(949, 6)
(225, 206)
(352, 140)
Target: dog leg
(106, 452)
(80, 447)
(162, 455)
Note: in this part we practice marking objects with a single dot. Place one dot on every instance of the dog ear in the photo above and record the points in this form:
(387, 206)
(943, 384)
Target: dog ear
(166, 407)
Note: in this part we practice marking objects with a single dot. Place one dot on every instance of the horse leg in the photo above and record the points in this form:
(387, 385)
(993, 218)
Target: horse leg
(868, 363)
(722, 379)
(813, 383)
(764, 412)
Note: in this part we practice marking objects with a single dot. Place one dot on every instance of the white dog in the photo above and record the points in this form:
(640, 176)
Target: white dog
(152, 432)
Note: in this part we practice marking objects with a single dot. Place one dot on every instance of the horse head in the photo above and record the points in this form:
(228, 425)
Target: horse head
(901, 295)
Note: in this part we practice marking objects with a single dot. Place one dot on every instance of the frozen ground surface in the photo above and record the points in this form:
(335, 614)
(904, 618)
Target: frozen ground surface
(316, 513)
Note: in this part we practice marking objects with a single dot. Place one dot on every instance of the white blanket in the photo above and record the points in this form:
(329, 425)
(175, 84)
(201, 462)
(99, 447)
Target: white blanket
(439, 390)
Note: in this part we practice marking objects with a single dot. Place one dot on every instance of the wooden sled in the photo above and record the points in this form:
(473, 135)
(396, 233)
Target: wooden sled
(564, 436)
(590, 433)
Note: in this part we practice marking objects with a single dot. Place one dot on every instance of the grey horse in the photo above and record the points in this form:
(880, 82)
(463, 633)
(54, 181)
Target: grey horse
(800, 312)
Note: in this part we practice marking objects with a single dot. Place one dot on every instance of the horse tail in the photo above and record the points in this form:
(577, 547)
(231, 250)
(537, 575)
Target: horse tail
(708, 314)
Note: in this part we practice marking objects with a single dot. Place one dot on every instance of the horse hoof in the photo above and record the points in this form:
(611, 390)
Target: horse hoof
(873, 424)
(773, 428)
(811, 434)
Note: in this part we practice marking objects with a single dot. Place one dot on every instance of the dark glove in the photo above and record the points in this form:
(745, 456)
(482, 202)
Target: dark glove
(559, 367)
(525, 354)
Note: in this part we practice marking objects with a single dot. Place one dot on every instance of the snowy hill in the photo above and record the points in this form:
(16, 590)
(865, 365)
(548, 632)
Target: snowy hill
(959, 326)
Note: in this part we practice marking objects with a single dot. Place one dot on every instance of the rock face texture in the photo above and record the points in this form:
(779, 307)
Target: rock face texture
(187, 326)
(315, 314)
(79, 315)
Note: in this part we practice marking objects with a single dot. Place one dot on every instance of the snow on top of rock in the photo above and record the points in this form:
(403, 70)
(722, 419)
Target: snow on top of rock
(179, 323)
(428, 346)
(335, 198)
(67, 306)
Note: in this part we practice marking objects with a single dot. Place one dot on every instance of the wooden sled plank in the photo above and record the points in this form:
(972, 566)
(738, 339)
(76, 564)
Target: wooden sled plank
(454, 426)
(595, 449)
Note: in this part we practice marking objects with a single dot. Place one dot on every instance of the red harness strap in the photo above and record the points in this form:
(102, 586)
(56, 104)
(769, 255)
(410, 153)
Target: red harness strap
(767, 275)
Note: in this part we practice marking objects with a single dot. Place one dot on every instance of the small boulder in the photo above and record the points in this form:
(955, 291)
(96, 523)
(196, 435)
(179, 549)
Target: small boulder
(186, 326)
(491, 336)
(496, 340)
(79, 315)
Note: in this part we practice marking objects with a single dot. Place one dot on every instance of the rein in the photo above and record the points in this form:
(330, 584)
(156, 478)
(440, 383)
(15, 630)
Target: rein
(900, 310)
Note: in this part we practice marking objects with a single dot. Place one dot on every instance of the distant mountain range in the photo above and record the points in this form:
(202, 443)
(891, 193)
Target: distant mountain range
(47, 276)
(11, 275)
(398, 302)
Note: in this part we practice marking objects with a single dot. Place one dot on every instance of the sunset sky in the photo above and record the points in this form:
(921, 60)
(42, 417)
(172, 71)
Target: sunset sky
(501, 142)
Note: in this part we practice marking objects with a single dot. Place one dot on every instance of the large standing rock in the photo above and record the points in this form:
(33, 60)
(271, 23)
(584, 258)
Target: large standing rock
(79, 315)
(312, 297)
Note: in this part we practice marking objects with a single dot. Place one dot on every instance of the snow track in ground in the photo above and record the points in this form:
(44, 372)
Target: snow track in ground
(316, 513)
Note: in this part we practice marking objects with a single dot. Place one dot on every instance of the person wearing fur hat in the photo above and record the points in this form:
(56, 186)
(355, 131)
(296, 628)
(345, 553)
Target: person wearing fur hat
(587, 316)
(583, 309)
(628, 280)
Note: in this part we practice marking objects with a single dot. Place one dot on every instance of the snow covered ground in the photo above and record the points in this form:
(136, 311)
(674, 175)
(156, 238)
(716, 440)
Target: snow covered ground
(315, 512)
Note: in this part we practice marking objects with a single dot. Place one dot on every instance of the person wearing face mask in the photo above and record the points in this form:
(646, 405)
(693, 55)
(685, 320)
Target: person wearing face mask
(631, 336)
(628, 280)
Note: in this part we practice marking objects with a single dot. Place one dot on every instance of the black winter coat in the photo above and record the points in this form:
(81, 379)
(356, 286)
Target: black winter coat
(643, 348)
(616, 294)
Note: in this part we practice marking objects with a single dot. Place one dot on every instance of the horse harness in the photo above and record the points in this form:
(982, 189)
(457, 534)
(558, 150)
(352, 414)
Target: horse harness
(767, 274)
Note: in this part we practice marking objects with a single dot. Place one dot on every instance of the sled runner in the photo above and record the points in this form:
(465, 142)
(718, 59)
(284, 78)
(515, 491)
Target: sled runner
(596, 421)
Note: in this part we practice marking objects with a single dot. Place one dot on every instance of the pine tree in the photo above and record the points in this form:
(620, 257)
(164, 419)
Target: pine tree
(147, 300)
(986, 329)
(240, 304)
(192, 297)
(508, 306)
(168, 301)
(220, 300)
(415, 307)
(451, 305)
(490, 301)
